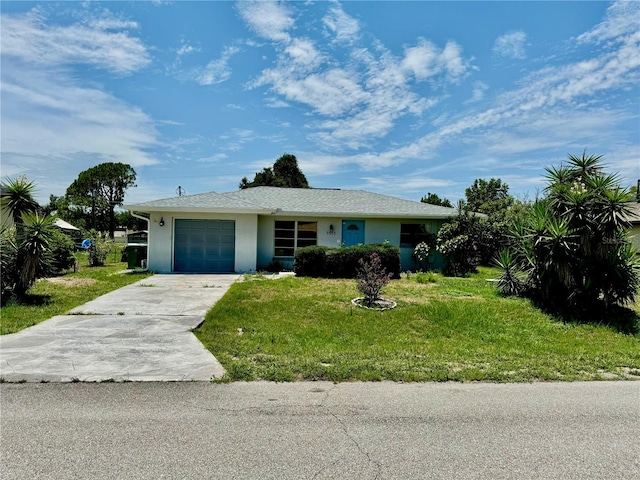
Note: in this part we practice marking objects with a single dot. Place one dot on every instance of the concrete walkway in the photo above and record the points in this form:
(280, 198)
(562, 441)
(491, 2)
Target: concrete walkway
(140, 332)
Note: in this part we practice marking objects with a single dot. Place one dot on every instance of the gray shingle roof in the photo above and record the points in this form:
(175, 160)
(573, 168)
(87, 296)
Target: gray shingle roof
(210, 201)
(634, 208)
(301, 201)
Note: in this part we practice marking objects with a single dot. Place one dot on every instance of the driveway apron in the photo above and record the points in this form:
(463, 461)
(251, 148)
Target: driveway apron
(140, 332)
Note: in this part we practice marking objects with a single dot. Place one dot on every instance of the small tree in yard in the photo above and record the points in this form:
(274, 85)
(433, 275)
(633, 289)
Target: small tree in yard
(99, 249)
(459, 241)
(572, 253)
(421, 256)
(372, 278)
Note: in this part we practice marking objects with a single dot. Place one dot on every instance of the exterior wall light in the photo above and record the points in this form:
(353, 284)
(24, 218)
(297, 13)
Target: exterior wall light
(161, 223)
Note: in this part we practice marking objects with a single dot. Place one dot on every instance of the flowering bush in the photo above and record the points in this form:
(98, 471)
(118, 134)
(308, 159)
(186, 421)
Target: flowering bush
(372, 278)
(421, 255)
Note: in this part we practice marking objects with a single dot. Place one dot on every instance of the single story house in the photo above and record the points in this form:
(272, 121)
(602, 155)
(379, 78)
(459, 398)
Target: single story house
(244, 230)
(6, 218)
(635, 224)
(62, 225)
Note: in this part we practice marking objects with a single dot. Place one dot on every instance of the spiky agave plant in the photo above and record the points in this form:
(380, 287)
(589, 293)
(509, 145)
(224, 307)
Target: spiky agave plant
(33, 248)
(17, 197)
(573, 247)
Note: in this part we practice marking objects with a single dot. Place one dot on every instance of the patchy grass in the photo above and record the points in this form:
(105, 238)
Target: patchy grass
(445, 329)
(55, 296)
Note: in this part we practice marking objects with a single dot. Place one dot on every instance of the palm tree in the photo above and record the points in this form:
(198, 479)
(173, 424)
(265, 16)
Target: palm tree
(17, 197)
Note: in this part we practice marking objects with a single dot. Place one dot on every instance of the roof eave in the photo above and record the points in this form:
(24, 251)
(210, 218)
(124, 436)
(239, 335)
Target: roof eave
(437, 216)
(151, 209)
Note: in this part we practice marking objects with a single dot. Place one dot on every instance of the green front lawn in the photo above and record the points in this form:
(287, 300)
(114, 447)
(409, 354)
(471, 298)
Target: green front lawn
(442, 329)
(55, 296)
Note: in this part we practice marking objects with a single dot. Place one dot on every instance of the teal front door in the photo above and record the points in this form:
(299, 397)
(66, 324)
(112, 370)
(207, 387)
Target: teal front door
(352, 232)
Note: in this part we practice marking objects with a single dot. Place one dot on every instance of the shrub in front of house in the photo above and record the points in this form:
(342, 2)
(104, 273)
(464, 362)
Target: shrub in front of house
(372, 277)
(311, 261)
(343, 262)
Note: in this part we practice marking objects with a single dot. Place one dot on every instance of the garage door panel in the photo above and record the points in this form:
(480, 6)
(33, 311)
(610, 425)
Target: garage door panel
(204, 245)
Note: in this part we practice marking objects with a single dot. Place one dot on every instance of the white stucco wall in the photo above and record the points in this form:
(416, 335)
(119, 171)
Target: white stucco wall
(635, 237)
(161, 239)
(6, 220)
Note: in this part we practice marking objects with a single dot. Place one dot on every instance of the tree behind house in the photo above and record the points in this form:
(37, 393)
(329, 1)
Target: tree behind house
(285, 173)
(434, 199)
(102, 187)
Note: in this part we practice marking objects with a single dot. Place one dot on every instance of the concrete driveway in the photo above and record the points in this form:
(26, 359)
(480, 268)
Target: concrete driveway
(140, 332)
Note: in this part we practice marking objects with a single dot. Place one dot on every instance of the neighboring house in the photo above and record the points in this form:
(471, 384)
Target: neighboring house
(6, 219)
(244, 230)
(62, 225)
(635, 225)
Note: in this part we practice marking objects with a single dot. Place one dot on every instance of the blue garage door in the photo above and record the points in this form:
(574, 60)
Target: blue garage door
(204, 246)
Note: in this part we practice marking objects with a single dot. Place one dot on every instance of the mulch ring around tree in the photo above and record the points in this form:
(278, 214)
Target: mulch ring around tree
(379, 304)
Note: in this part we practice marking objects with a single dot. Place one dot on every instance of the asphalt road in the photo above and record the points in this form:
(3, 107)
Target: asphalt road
(320, 431)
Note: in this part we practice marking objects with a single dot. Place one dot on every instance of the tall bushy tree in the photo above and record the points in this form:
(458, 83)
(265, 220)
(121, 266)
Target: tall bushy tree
(572, 250)
(285, 173)
(460, 240)
(108, 181)
(491, 197)
(434, 199)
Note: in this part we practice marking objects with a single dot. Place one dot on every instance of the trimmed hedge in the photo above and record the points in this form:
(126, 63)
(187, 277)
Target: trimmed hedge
(342, 262)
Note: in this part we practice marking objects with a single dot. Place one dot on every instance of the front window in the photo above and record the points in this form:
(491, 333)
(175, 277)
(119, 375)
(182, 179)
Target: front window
(411, 234)
(292, 234)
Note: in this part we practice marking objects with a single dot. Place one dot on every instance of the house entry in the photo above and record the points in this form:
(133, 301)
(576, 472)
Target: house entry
(352, 232)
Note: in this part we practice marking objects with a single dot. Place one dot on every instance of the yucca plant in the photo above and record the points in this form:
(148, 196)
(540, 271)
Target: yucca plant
(32, 249)
(17, 198)
(513, 280)
(573, 251)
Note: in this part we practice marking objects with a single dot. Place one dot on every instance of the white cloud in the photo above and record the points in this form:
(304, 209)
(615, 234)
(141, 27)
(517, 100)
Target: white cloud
(421, 60)
(554, 111)
(361, 97)
(425, 60)
(511, 45)
(217, 71)
(186, 49)
(68, 120)
(273, 102)
(214, 158)
(479, 89)
(270, 20)
(404, 183)
(31, 39)
(302, 52)
(53, 125)
(621, 19)
(330, 93)
(344, 28)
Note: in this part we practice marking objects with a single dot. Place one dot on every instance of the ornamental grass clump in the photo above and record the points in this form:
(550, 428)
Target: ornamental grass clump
(372, 278)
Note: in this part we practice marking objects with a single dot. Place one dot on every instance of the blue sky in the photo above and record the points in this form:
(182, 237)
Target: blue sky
(401, 98)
